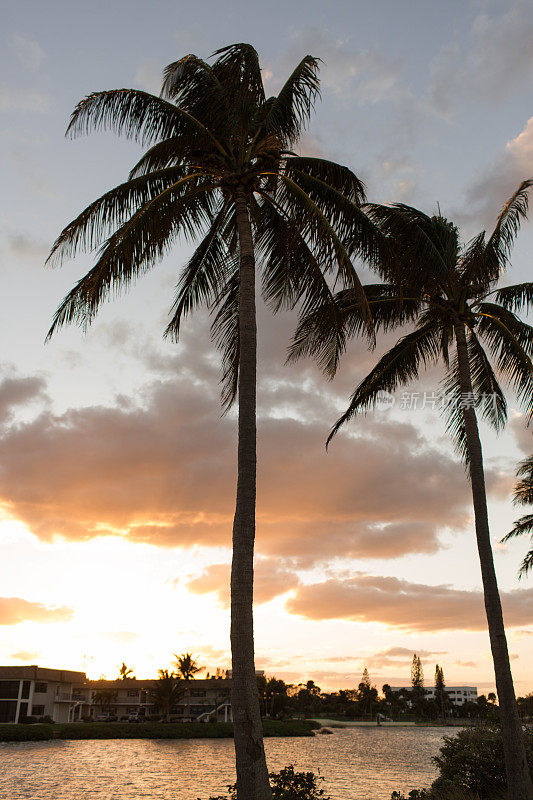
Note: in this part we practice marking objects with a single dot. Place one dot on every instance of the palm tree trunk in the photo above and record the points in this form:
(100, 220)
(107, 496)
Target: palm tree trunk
(252, 774)
(518, 776)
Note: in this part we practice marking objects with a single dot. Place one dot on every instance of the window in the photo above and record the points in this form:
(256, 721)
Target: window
(26, 689)
(132, 693)
(197, 693)
(8, 709)
(37, 711)
(9, 690)
(41, 688)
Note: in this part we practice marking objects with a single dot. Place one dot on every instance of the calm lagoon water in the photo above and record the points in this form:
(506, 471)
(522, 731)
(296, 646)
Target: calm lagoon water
(357, 764)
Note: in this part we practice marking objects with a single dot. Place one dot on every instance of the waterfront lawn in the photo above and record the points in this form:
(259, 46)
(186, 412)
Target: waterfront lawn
(147, 730)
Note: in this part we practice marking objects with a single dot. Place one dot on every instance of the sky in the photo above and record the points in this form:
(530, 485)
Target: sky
(117, 469)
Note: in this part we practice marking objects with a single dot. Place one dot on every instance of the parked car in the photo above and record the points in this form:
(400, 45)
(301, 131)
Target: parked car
(136, 718)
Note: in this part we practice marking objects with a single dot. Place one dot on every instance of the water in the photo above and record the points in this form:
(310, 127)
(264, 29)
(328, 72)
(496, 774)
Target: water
(357, 763)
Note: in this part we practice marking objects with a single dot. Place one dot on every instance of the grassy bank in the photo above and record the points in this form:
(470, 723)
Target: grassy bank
(146, 730)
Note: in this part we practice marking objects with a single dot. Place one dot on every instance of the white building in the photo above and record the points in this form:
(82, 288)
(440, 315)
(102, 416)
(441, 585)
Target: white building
(67, 696)
(39, 692)
(458, 694)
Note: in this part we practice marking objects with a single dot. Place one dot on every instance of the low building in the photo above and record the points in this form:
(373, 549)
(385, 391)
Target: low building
(458, 695)
(34, 691)
(200, 700)
(68, 696)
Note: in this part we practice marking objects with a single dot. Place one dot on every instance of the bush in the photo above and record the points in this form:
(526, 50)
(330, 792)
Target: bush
(473, 761)
(288, 785)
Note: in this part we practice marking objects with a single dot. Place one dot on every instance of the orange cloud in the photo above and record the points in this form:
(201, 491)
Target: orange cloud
(404, 605)
(270, 580)
(163, 472)
(14, 610)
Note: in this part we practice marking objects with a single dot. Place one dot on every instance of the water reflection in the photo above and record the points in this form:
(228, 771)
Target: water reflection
(357, 763)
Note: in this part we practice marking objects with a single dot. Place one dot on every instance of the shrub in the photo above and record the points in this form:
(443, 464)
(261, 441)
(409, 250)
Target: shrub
(288, 785)
(473, 761)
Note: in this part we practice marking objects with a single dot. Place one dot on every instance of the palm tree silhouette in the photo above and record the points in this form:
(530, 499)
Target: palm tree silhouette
(523, 495)
(450, 291)
(125, 673)
(221, 167)
(165, 692)
(187, 666)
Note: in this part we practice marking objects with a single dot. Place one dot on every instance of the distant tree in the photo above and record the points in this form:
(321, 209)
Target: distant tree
(105, 698)
(440, 690)
(186, 666)
(417, 682)
(366, 693)
(125, 673)
(491, 697)
(165, 692)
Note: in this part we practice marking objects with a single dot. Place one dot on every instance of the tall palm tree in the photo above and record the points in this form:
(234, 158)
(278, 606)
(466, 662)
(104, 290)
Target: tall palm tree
(220, 168)
(523, 495)
(187, 666)
(450, 291)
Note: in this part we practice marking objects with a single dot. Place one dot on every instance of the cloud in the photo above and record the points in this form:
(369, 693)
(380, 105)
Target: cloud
(149, 77)
(22, 246)
(14, 610)
(495, 59)
(28, 51)
(404, 605)
(394, 657)
(465, 663)
(29, 656)
(16, 391)
(487, 193)
(270, 580)
(16, 99)
(346, 69)
(163, 472)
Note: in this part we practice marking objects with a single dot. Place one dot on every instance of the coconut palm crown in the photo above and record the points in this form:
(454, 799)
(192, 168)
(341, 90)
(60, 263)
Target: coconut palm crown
(465, 322)
(215, 137)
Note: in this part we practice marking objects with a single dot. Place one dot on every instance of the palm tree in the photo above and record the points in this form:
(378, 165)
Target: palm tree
(523, 495)
(220, 167)
(187, 666)
(125, 673)
(105, 698)
(165, 692)
(450, 291)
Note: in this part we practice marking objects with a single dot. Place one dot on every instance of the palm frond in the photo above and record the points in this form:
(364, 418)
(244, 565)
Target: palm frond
(510, 345)
(515, 298)
(292, 273)
(522, 527)
(204, 275)
(192, 84)
(424, 244)
(400, 365)
(288, 113)
(510, 218)
(523, 491)
(109, 211)
(226, 335)
(336, 176)
(322, 238)
(315, 335)
(134, 248)
(488, 397)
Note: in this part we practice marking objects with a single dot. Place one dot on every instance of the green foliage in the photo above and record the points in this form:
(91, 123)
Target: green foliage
(146, 730)
(474, 761)
(289, 785)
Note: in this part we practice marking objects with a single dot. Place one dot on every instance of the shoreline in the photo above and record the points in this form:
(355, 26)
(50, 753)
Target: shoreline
(41, 732)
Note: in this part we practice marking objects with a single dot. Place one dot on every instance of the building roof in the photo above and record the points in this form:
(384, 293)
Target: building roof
(35, 673)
